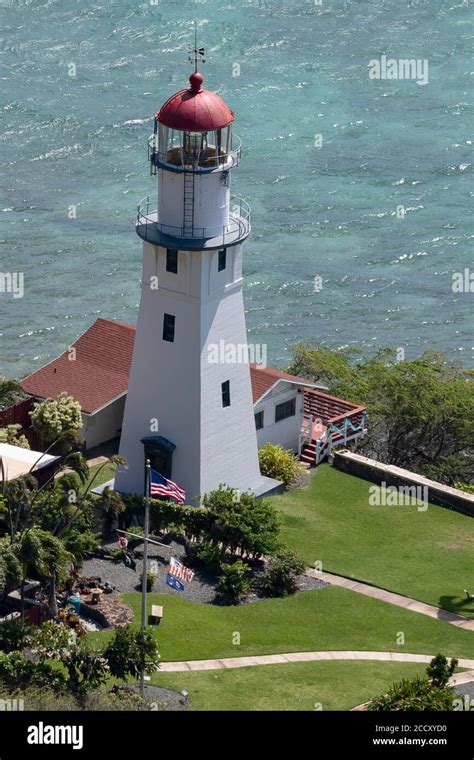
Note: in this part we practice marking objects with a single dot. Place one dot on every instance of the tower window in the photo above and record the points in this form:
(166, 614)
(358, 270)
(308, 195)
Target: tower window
(285, 410)
(172, 260)
(168, 327)
(222, 259)
(259, 420)
(226, 393)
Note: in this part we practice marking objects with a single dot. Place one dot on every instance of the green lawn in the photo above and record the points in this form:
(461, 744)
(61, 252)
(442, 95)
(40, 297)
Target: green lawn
(299, 686)
(329, 618)
(426, 555)
(107, 473)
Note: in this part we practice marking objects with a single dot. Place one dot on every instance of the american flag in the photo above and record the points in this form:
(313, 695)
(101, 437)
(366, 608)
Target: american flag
(180, 571)
(161, 486)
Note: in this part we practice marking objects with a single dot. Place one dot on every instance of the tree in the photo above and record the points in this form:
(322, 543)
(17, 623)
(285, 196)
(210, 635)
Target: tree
(10, 567)
(279, 463)
(130, 651)
(86, 668)
(111, 504)
(51, 418)
(43, 554)
(10, 392)
(440, 670)
(421, 411)
(10, 434)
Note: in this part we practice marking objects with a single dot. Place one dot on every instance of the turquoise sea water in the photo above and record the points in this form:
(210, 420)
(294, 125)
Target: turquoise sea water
(329, 212)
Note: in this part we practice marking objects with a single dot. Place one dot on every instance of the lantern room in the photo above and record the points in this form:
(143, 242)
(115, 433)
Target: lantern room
(193, 130)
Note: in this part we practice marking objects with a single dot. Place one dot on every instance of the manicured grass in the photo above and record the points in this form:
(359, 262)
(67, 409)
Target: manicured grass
(106, 473)
(425, 555)
(299, 686)
(329, 618)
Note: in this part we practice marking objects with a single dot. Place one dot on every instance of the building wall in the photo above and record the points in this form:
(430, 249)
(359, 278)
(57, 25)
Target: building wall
(177, 385)
(285, 433)
(103, 425)
(211, 200)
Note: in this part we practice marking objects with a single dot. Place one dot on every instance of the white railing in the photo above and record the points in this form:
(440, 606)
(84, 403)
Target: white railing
(334, 435)
(148, 224)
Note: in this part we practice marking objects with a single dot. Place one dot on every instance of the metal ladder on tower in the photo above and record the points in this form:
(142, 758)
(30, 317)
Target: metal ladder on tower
(188, 206)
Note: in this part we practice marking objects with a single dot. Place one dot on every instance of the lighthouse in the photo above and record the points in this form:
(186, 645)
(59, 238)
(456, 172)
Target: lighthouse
(188, 412)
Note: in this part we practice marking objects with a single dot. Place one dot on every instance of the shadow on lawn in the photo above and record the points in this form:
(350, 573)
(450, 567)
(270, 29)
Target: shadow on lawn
(459, 605)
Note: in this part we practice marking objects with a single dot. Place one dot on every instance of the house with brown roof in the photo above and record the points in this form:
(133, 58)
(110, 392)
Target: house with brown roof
(94, 370)
(289, 410)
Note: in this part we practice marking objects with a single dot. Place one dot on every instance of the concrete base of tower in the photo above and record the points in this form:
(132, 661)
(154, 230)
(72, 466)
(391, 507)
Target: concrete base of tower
(267, 487)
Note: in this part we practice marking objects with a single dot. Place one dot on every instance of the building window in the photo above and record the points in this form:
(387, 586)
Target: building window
(172, 260)
(259, 420)
(222, 259)
(285, 410)
(168, 327)
(226, 393)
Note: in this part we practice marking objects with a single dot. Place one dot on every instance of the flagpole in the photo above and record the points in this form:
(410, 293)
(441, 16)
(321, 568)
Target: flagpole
(145, 562)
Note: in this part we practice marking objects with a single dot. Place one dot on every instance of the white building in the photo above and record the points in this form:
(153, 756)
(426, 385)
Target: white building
(192, 417)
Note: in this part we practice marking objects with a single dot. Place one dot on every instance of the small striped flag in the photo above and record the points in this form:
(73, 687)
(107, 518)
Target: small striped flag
(161, 486)
(180, 571)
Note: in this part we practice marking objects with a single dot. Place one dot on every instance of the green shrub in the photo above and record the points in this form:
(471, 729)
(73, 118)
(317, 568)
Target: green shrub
(417, 694)
(150, 581)
(14, 635)
(129, 651)
(440, 670)
(233, 584)
(280, 575)
(18, 672)
(279, 463)
(421, 694)
(241, 523)
(210, 556)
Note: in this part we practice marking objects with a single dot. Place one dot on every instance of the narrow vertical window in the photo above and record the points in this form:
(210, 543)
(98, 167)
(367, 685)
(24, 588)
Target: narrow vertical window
(222, 259)
(168, 327)
(172, 260)
(226, 393)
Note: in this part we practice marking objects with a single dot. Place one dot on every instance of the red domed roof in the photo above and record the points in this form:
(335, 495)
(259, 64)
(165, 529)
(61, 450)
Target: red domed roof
(195, 109)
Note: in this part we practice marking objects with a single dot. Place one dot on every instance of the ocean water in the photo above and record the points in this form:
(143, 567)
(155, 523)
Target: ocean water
(291, 70)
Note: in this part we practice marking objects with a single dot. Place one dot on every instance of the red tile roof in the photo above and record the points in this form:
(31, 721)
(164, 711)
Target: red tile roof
(101, 367)
(264, 377)
(98, 373)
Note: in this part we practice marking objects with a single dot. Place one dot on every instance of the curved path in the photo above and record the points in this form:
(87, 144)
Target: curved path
(290, 657)
(397, 599)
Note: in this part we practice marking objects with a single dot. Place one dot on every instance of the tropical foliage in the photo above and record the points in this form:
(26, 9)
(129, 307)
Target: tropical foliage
(279, 463)
(52, 418)
(421, 411)
(421, 694)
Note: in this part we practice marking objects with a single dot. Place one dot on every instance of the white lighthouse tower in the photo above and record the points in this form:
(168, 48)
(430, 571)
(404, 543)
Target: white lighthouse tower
(190, 414)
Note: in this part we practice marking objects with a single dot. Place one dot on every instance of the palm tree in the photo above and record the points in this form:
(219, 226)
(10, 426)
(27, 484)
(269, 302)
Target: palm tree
(41, 553)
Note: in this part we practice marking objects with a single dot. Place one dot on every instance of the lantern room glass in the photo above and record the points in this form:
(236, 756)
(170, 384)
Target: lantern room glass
(194, 149)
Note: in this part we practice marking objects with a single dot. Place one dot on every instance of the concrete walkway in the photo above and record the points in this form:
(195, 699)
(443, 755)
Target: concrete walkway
(397, 599)
(290, 657)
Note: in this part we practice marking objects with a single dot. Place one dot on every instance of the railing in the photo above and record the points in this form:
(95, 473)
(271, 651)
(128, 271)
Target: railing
(149, 227)
(339, 435)
(178, 159)
(352, 425)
